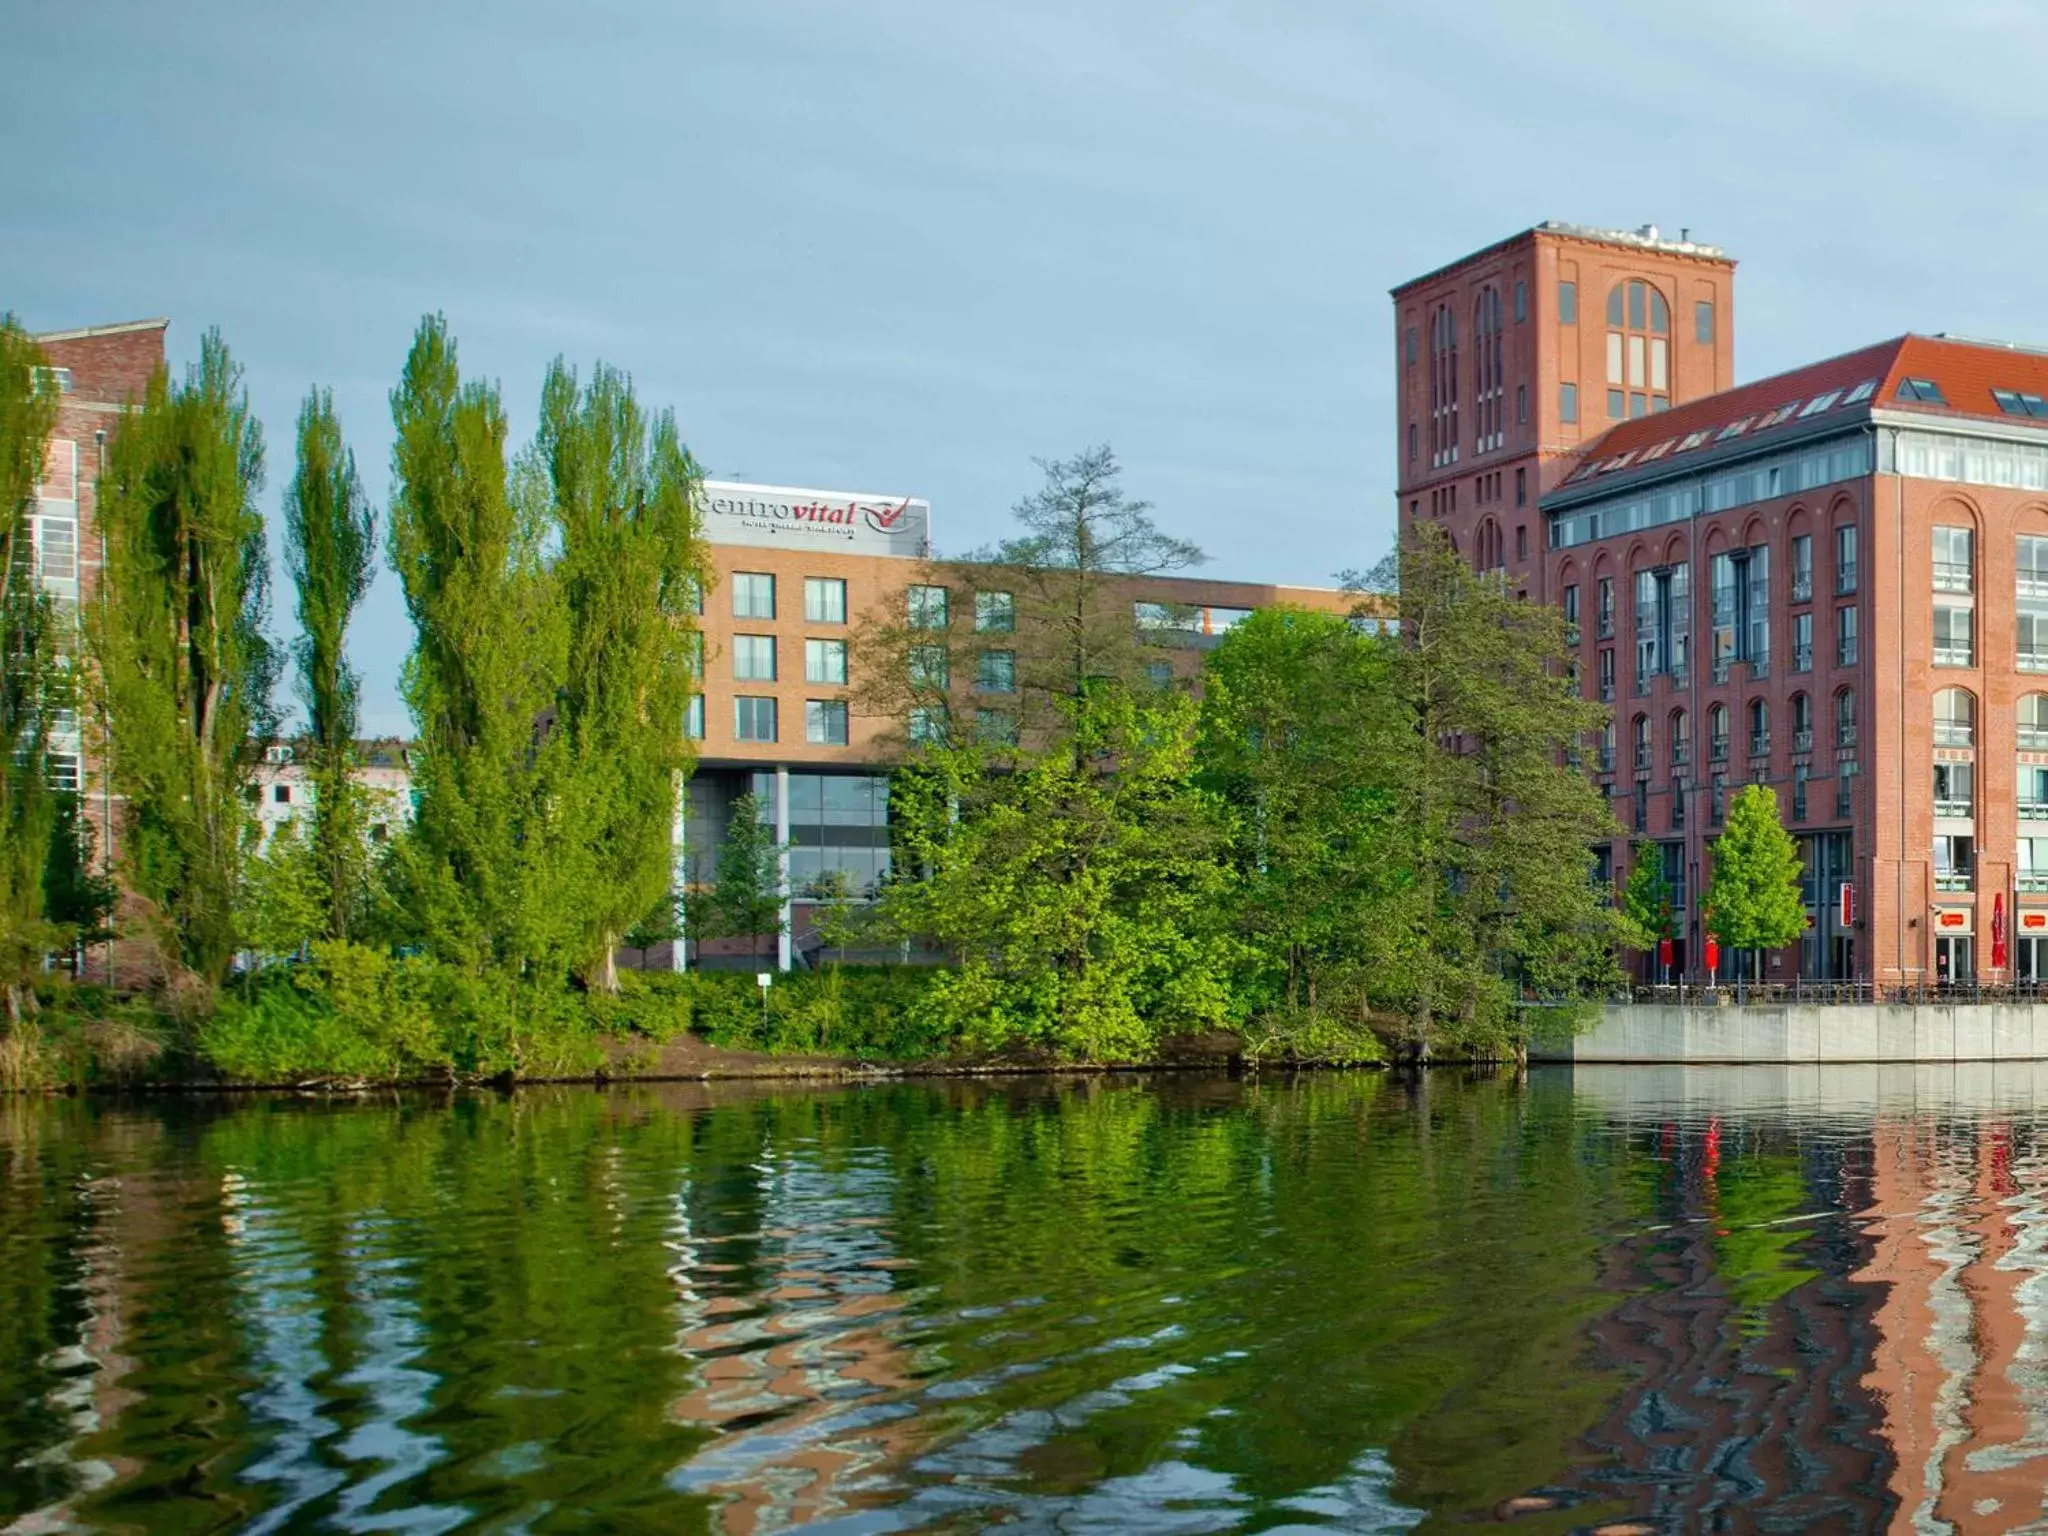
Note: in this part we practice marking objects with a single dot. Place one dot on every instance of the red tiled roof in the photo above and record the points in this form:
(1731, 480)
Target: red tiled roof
(1965, 373)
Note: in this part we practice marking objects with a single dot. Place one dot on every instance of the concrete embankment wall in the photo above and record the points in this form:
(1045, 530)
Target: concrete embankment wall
(1674, 1033)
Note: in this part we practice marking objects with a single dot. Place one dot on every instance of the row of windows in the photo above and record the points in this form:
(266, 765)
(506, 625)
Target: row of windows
(1716, 786)
(1782, 474)
(1678, 733)
(759, 719)
(753, 597)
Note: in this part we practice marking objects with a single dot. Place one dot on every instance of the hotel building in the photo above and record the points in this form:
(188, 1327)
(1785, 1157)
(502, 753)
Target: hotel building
(1833, 582)
(793, 573)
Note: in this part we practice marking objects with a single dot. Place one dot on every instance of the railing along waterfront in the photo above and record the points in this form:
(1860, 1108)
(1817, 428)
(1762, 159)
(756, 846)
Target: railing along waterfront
(1824, 994)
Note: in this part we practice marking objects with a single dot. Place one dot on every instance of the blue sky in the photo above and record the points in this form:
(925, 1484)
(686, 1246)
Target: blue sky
(908, 245)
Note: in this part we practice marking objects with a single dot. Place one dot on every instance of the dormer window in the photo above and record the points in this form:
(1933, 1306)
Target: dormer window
(1920, 392)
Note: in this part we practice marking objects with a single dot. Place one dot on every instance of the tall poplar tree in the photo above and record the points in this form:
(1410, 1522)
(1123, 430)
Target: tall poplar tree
(629, 571)
(478, 877)
(184, 670)
(32, 678)
(330, 532)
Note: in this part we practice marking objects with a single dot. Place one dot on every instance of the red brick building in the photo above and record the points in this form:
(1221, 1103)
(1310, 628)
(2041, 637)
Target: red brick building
(1833, 582)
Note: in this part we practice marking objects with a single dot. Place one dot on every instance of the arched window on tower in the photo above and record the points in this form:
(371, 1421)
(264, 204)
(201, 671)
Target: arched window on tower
(1489, 392)
(1638, 349)
(1443, 388)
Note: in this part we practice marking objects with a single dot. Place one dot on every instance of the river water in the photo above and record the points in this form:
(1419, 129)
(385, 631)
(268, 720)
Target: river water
(1624, 1300)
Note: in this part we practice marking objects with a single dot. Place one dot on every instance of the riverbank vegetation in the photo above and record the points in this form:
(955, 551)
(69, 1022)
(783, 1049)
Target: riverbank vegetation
(1335, 842)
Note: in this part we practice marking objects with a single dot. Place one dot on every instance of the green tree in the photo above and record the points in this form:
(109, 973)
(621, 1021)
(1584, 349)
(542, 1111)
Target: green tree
(1499, 831)
(34, 680)
(78, 896)
(1079, 892)
(330, 533)
(744, 899)
(285, 891)
(631, 565)
(1646, 899)
(1753, 899)
(482, 877)
(1301, 727)
(180, 661)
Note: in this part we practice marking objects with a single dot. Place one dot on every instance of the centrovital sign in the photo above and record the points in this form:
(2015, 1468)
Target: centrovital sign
(779, 515)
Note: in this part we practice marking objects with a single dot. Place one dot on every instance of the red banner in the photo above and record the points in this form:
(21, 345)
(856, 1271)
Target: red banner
(1998, 931)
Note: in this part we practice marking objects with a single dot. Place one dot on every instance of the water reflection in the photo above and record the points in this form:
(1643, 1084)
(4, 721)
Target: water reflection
(1610, 1301)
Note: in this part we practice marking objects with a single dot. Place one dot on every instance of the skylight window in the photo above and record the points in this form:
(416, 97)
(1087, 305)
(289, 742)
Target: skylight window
(1733, 429)
(1692, 440)
(1580, 473)
(1772, 418)
(1819, 403)
(1659, 451)
(2018, 403)
(1860, 393)
(1921, 391)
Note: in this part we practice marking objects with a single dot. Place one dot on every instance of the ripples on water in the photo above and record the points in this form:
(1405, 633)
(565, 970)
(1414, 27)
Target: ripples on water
(1621, 1301)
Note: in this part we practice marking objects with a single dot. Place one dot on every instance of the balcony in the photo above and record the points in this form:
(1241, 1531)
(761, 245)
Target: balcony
(2034, 738)
(1802, 587)
(1571, 631)
(1802, 658)
(1606, 690)
(1605, 629)
(1607, 759)
(1802, 741)
(1955, 656)
(1953, 810)
(1951, 576)
(2032, 661)
(1952, 880)
(1717, 749)
(2031, 884)
(1845, 655)
(1759, 743)
(1949, 733)
(2034, 810)
(1681, 754)
(2032, 583)
(1845, 580)
(1720, 670)
(1643, 758)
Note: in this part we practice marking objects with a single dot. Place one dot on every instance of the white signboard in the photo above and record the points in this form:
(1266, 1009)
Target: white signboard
(846, 521)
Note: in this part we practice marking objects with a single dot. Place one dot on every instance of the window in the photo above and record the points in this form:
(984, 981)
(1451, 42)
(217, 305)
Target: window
(1717, 804)
(1952, 563)
(1571, 613)
(1521, 487)
(1521, 301)
(1953, 785)
(1521, 533)
(1607, 747)
(1717, 734)
(995, 613)
(930, 667)
(1802, 642)
(1802, 722)
(1408, 346)
(1703, 322)
(1845, 559)
(1159, 673)
(2017, 403)
(1642, 805)
(753, 719)
(1800, 774)
(2031, 582)
(1606, 628)
(1443, 387)
(1954, 859)
(1607, 675)
(1662, 604)
(753, 658)
(1802, 567)
(1845, 636)
(996, 727)
(1638, 348)
(927, 725)
(824, 661)
(2033, 792)
(1681, 739)
(1845, 718)
(1413, 439)
(2031, 868)
(1845, 789)
(1568, 403)
(1955, 718)
(824, 600)
(927, 607)
(1521, 405)
(280, 794)
(1567, 302)
(1740, 598)
(1759, 728)
(1641, 732)
(1489, 388)
(1920, 392)
(1677, 813)
(996, 672)
(2033, 722)
(825, 722)
(1954, 645)
(753, 595)
(693, 718)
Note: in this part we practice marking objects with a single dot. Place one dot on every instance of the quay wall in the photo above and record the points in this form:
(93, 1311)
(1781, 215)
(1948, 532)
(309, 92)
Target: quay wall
(1684, 1034)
